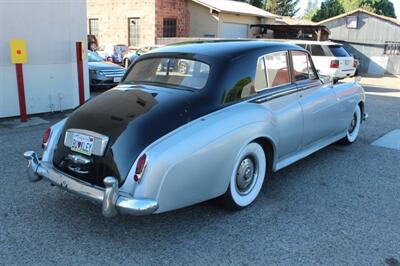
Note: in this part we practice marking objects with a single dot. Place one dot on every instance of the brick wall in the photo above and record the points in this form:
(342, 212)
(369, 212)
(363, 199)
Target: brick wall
(113, 17)
(176, 9)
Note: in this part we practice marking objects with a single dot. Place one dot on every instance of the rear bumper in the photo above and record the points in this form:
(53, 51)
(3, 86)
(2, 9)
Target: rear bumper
(112, 201)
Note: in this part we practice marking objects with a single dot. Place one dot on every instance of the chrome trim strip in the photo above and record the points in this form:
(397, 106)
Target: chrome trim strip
(99, 144)
(112, 201)
(273, 95)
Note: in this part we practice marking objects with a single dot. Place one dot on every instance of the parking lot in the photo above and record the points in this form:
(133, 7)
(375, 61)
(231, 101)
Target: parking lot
(339, 206)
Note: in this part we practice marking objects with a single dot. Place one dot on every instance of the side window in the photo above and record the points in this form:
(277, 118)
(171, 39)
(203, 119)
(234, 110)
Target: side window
(316, 50)
(302, 67)
(260, 81)
(277, 69)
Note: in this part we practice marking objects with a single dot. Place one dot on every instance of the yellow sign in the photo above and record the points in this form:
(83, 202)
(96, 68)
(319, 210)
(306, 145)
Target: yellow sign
(18, 51)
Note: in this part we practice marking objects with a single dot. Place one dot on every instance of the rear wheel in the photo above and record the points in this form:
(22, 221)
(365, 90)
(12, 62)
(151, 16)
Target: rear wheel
(247, 178)
(354, 128)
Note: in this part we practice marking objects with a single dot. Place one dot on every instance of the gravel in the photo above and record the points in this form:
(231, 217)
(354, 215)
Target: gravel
(339, 206)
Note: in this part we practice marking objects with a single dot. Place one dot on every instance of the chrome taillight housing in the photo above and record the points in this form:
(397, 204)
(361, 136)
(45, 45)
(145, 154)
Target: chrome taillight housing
(140, 167)
(46, 138)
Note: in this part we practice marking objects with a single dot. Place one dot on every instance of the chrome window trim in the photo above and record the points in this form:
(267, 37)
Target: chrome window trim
(99, 144)
(275, 93)
(266, 73)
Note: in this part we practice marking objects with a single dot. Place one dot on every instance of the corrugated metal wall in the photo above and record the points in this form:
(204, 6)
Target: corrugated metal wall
(367, 41)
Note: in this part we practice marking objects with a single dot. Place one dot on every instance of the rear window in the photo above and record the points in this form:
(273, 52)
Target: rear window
(170, 71)
(338, 51)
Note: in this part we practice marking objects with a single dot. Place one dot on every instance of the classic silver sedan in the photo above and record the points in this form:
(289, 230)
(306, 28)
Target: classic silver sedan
(163, 139)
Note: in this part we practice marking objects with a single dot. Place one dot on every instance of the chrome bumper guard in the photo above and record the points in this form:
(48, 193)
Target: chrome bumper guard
(365, 117)
(112, 201)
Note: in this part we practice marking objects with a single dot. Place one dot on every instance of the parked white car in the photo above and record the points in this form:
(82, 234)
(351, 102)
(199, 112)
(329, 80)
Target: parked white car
(330, 58)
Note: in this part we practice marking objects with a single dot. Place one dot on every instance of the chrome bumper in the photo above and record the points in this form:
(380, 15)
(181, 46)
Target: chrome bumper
(365, 117)
(112, 201)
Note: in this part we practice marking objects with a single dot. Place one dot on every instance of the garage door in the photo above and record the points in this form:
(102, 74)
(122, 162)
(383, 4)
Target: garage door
(234, 30)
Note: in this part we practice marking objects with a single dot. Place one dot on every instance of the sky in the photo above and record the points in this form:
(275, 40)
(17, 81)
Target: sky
(396, 3)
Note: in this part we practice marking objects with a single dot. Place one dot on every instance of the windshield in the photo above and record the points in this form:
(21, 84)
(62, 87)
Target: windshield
(338, 51)
(170, 71)
(93, 57)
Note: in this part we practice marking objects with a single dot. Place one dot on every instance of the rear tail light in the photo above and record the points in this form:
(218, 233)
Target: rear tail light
(46, 138)
(140, 167)
(334, 64)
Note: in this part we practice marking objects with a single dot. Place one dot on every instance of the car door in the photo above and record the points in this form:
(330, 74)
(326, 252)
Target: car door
(277, 93)
(318, 101)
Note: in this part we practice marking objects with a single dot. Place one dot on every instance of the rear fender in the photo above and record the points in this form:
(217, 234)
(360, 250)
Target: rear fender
(194, 163)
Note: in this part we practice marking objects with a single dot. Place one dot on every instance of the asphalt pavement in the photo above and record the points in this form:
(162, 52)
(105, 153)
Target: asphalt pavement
(339, 206)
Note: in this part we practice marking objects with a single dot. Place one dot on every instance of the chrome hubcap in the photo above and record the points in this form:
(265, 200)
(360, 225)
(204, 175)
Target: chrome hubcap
(245, 176)
(353, 124)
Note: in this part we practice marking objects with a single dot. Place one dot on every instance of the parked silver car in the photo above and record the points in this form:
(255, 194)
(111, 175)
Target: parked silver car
(163, 140)
(129, 58)
(103, 74)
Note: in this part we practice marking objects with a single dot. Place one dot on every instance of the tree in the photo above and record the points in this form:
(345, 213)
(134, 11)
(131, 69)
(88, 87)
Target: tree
(350, 5)
(311, 9)
(328, 9)
(380, 7)
(283, 7)
(257, 3)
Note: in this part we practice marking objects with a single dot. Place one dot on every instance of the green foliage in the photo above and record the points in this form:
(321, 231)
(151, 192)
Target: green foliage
(257, 3)
(283, 7)
(311, 9)
(328, 9)
(380, 7)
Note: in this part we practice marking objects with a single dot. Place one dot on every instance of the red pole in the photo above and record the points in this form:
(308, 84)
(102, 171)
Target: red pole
(79, 64)
(21, 92)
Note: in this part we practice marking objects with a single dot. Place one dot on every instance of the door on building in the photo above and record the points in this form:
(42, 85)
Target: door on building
(234, 30)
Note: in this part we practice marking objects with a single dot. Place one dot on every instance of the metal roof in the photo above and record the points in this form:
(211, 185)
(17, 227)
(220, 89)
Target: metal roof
(388, 19)
(235, 7)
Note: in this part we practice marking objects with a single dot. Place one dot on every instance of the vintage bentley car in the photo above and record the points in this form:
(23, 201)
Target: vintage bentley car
(163, 139)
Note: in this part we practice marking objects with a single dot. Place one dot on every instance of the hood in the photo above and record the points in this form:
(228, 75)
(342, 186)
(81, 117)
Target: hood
(132, 117)
(104, 66)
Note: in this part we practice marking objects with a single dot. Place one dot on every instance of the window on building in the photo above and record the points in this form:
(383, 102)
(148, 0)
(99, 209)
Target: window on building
(169, 27)
(133, 32)
(392, 48)
(351, 22)
(94, 27)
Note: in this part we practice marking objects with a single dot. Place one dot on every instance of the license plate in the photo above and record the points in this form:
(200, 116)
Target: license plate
(347, 62)
(117, 79)
(82, 143)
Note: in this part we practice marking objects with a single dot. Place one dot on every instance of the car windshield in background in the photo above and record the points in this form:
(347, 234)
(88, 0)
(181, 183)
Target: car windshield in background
(338, 51)
(93, 57)
(170, 71)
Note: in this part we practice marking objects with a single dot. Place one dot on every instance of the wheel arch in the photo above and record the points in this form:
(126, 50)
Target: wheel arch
(362, 107)
(269, 149)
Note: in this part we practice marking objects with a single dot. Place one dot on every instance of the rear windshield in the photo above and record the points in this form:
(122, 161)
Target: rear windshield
(338, 51)
(170, 71)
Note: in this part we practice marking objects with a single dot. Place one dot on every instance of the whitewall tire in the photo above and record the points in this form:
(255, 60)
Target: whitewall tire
(247, 177)
(354, 127)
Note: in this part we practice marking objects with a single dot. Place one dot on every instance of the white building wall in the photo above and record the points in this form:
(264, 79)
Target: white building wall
(50, 29)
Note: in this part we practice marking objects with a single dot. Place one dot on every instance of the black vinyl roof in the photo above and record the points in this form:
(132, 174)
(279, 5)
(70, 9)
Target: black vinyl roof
(221, 49)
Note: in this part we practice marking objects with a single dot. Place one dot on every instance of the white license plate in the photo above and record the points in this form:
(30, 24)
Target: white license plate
(117, 79)
(82, 143)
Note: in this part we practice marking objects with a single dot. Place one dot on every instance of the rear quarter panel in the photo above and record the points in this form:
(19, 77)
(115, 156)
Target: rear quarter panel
(195, 162)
